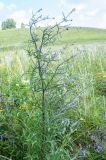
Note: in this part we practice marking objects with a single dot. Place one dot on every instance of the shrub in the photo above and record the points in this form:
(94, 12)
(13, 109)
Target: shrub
(8, 24)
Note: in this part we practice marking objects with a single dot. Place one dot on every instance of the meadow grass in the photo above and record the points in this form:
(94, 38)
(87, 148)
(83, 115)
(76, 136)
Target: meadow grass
(86, 74)
(18, 38)
(13, 38)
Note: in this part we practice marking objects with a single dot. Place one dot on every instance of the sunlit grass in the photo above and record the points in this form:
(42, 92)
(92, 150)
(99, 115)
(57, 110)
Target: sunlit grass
(87, 69)
(18, 38)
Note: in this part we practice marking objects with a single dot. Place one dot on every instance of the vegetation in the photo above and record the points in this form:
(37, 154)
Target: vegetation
(52, 98)
(74, 35)
(8, 24)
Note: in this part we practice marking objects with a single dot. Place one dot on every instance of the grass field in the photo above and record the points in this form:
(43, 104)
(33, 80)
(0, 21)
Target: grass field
(80, 133)
(19, 37)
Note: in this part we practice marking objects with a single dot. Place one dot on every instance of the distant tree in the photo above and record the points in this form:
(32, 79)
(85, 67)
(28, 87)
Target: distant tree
(8, 24)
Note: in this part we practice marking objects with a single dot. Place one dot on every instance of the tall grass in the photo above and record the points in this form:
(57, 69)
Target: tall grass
(83, 125)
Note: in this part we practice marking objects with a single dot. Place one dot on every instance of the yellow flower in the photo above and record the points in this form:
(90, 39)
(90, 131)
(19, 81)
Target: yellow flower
(101, 75)
(23, 106)
(1, 110)
(104, 76)
(81, 119)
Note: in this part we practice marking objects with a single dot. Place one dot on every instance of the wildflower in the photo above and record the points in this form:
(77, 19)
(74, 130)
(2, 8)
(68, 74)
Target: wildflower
(104, 76)
(104, 114)
(23, 106)
(1, 110)
(99, 148)
(83, 153)
(80, 146)
(81, 119)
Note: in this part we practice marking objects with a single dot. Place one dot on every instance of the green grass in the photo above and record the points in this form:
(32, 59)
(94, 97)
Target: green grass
(89, 70)
(84, 35)
(85, 74)
(17, 38)
(13, 38)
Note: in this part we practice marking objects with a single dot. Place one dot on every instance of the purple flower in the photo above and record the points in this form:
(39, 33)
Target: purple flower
(104, 114)
(80, 146)
(99, 148)
(83, 153)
